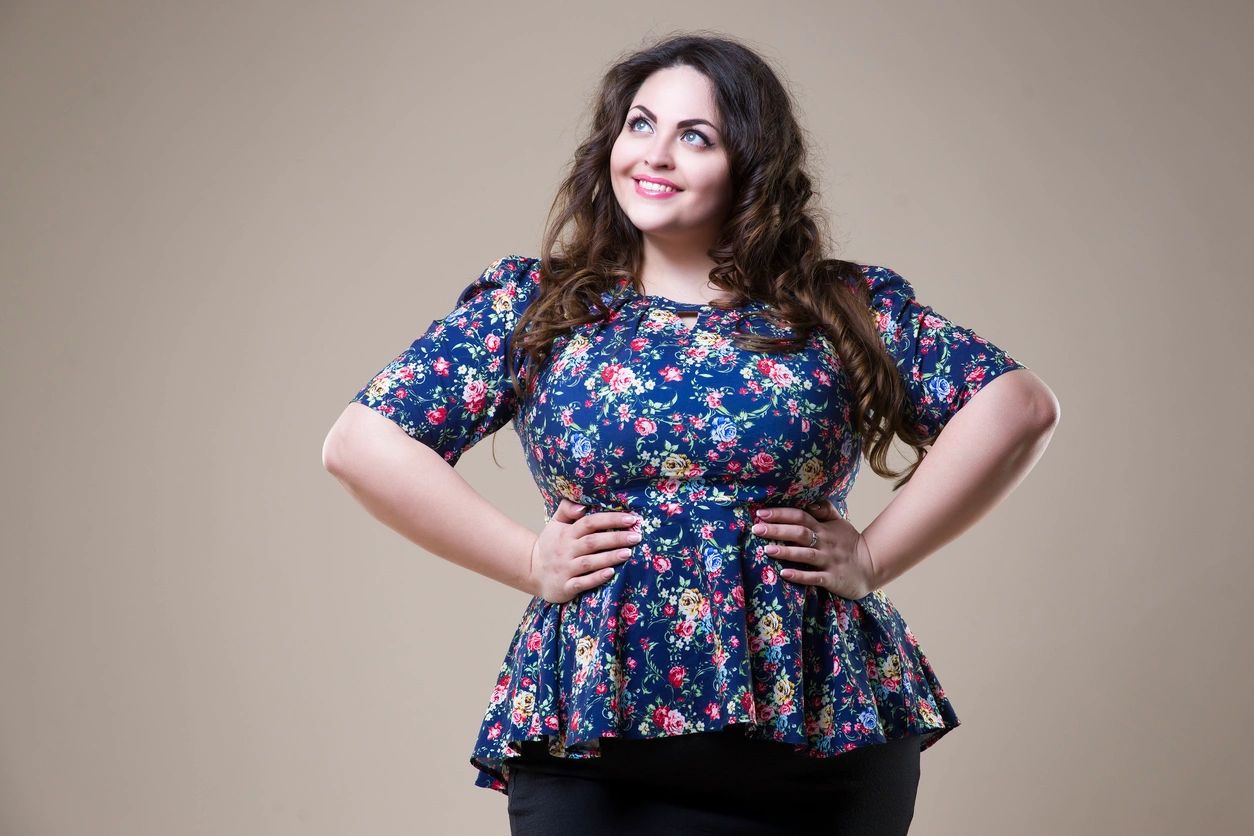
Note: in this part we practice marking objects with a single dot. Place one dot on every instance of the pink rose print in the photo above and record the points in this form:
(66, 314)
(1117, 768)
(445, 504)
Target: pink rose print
(473, 395)
(763, 461)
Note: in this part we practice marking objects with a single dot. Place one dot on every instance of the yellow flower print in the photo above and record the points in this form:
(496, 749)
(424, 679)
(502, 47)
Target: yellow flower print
(524, 704)
(928, 711)
(502, 301)
(658, 317)
(578, 344)
(379, 387)
(811, 472)
(584, 649)
(784, 689)
(690, 602)
(676, 465)
(562, 487)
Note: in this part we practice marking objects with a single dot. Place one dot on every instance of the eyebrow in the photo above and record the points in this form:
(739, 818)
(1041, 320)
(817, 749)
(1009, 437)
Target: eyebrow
(687, 123)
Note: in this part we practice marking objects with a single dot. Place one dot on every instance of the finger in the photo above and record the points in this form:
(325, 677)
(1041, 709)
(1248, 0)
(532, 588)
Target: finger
(568, 511)
(602, 520)
(795, 554)
(784, 531)
(582, 583)
(799, 576)
(785, 514)
(601, 540)
(598, 561)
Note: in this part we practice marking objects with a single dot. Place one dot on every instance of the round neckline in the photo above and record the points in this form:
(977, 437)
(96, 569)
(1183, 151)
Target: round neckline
(666, 301)
(674, 303)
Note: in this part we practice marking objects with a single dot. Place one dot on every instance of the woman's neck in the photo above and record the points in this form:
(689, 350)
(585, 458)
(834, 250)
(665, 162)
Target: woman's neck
(681, 274)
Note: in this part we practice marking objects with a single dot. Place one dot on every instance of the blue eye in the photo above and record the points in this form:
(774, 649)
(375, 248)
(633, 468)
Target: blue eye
(631, 125)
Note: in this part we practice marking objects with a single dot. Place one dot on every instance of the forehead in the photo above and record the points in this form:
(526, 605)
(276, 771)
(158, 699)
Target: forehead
(679, 93)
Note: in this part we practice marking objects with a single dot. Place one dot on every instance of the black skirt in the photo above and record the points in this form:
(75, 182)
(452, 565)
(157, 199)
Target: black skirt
(717, 782)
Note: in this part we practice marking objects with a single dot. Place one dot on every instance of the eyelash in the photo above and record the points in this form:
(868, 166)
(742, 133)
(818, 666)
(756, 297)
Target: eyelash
(632, 120)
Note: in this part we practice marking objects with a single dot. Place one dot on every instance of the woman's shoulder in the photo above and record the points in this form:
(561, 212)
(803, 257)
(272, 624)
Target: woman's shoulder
(512, 268)
(509, 282)
(879, 279)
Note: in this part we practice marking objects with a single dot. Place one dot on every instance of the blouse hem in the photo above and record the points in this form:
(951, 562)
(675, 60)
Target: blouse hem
(494, 772)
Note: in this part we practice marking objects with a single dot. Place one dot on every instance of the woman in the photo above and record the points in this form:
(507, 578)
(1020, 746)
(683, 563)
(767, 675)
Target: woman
(708, 647)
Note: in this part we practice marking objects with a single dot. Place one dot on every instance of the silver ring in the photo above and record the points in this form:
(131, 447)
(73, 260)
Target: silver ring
(814, 537)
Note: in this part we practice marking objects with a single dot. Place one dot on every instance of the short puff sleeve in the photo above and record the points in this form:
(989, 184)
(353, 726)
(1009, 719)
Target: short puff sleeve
(942, 364)
(451, 388)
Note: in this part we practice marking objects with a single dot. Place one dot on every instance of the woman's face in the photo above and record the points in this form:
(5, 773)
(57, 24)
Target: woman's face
(672, 133)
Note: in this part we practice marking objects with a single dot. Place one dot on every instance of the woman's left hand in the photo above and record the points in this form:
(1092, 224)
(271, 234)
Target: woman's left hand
(840, 557)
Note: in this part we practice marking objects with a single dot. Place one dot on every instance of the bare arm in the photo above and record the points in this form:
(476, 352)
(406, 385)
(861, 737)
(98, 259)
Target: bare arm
(983, 452)
(408, 487)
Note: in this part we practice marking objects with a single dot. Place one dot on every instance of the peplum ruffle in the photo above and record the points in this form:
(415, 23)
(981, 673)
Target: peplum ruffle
(730, 643)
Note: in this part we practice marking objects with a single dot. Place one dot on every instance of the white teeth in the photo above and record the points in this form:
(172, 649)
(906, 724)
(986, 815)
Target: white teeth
(654, 187)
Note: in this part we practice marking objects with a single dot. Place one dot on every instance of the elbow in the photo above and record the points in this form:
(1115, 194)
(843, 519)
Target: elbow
(1045, 410)
(358, 438)
(333, 452)
(338, 448)
(1031, 400)
(1023, 400)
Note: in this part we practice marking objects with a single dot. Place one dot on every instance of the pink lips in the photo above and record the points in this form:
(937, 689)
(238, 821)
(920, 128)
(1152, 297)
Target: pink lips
(640, 190)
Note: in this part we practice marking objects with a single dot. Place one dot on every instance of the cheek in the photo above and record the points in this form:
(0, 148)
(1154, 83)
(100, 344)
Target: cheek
(716, 182)
(619, 158)
(618, 168)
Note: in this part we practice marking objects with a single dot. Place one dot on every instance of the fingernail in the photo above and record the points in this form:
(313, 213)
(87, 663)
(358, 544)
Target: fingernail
(759, 528)
(763, 513)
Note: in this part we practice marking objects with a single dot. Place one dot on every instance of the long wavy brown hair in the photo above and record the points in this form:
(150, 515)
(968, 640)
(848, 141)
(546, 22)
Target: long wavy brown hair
(769, 248)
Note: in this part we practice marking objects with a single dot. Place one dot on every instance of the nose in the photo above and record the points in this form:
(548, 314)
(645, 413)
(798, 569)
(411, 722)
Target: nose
(659, 155)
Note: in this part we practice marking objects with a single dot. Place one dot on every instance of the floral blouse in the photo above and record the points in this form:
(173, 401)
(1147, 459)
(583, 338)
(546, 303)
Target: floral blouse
(646, 412)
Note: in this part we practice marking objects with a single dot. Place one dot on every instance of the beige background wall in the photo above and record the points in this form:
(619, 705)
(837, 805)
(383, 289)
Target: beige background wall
(219, 219)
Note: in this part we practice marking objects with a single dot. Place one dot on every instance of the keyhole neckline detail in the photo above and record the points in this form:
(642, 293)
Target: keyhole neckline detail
(667, 302)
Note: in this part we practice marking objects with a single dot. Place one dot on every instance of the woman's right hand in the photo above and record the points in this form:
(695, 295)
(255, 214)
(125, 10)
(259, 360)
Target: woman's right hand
(578, 551)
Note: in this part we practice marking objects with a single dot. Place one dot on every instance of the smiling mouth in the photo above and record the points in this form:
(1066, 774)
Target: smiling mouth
(654, 188)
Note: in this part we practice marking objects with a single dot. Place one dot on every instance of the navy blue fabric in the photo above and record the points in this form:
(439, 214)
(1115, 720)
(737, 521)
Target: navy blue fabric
(650, 411)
